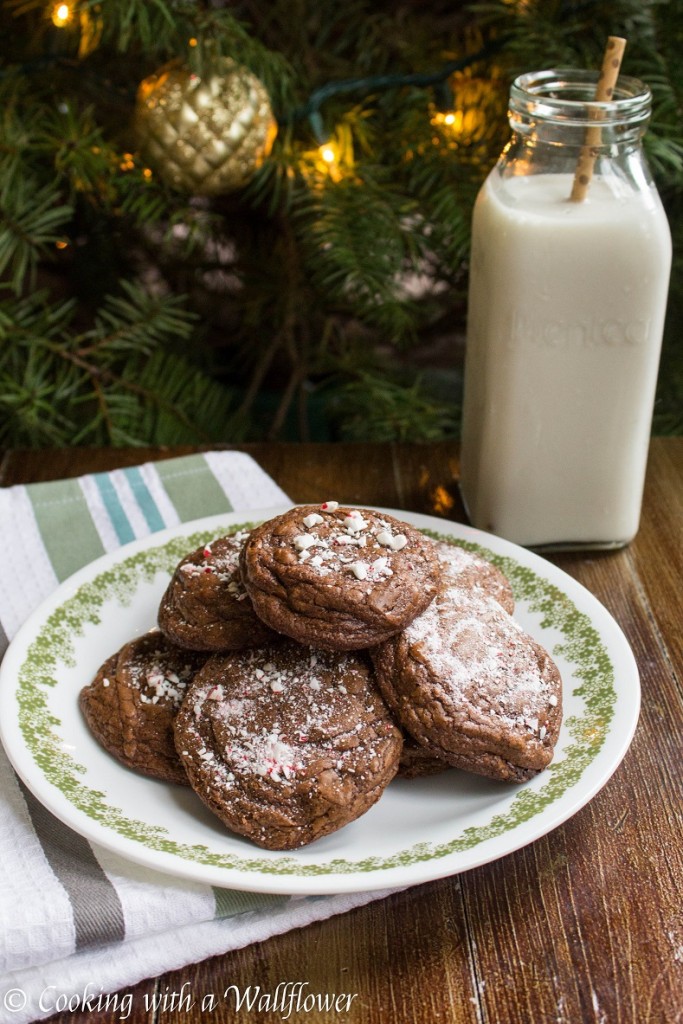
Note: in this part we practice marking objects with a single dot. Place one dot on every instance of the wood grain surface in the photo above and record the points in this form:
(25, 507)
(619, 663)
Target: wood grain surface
(585, 924)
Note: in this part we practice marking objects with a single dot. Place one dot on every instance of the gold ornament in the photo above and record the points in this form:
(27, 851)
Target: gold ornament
(204, 135)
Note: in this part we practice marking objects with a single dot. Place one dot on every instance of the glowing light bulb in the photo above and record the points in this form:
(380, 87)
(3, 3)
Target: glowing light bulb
(452, 119)
(61, 15)
(331, 160)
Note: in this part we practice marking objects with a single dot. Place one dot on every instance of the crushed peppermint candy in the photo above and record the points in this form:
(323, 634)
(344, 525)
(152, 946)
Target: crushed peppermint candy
(223, 566)
(159, 683)
(266, 754)
(381, 567)
(332, 549)
(354, 522)
(394, 541)
(236, 589)
(190, 569)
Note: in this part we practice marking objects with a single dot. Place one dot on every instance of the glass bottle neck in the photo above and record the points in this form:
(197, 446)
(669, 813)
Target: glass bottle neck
(554, 117)
(556, 108)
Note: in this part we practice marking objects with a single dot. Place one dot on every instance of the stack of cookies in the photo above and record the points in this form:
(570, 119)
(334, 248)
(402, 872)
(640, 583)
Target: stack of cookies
(299, 667)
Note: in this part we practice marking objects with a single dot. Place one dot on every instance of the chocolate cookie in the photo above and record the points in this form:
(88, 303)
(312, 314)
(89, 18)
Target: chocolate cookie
(286, 744)
(416, 761)
(472, 688)
(470, 571)
(132, 701)
(205, 606)
(338, 578)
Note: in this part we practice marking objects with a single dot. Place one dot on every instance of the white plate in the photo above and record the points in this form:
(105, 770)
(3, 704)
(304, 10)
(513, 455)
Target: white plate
(419, 830)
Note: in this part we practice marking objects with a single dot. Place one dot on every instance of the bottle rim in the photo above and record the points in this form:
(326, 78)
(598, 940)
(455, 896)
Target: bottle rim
(565, 96)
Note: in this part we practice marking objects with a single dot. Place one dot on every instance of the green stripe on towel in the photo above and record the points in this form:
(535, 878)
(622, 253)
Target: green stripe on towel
(192, 487)
(66, 527)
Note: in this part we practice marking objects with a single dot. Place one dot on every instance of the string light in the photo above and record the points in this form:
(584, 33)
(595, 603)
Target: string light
(452, 120)
(323, 163)
(90, 20)
(330, 161)
(437, 79)
(61, 15)
(463, 122)
(333, 158)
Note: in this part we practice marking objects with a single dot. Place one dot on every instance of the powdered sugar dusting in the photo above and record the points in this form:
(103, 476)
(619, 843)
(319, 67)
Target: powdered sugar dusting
(481, 656)
(461, 568)
(454, 560)
(276, 714)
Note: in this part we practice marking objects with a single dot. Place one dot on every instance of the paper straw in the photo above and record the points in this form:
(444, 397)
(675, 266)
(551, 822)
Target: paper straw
(609, 72)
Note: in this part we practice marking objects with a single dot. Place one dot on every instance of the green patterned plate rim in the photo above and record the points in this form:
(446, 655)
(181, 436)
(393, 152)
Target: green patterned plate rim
(601, 696)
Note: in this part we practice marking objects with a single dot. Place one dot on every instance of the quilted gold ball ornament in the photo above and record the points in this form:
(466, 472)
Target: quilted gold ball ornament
(204, 135)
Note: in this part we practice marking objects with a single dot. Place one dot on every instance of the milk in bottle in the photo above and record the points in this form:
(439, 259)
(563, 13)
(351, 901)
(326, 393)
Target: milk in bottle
(565, 320)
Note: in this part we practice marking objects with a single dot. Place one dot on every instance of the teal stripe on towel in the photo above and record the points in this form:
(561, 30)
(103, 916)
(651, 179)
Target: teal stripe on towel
(144, 499)
(115, 511)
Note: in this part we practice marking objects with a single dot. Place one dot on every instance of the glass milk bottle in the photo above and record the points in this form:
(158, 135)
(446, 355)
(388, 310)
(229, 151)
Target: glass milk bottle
(566, 312)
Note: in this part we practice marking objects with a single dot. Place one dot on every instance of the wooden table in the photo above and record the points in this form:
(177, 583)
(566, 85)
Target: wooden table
(584, 925)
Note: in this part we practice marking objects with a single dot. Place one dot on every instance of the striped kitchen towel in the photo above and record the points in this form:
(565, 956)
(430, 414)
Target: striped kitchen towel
(77, 921)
